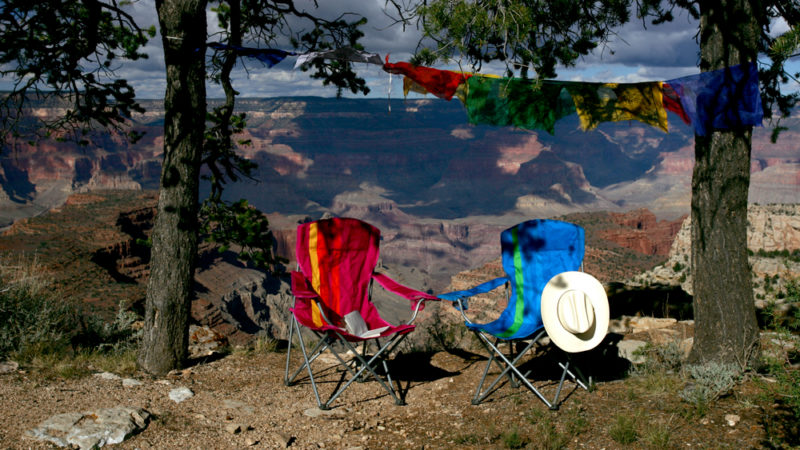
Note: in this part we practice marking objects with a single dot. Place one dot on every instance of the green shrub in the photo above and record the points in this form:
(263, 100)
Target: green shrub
(658, 436)
(623, 430)
(709, 382)
(575, 421)
(782, 393)
(30, 321)
(659, 358)
(55, 336)
(513, 439)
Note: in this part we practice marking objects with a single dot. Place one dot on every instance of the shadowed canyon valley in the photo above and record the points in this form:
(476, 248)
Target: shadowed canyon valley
(439, 188)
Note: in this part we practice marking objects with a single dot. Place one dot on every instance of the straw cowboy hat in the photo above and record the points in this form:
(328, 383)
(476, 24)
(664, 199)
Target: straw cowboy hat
(575, 311)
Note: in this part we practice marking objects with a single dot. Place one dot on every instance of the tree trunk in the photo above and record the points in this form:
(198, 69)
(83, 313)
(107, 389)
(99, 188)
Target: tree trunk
(726, 329)
(174, 250)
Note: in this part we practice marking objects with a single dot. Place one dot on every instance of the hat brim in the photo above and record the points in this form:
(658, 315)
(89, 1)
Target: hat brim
(594, 292)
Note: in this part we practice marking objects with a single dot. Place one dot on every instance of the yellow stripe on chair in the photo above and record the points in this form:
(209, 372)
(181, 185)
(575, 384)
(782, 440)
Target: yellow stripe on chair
(316, 317)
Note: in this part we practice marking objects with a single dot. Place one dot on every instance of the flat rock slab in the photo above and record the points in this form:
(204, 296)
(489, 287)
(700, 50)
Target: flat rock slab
(92, 429)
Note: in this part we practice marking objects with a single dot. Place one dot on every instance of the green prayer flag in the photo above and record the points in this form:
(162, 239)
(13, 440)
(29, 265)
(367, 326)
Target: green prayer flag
(528, 104)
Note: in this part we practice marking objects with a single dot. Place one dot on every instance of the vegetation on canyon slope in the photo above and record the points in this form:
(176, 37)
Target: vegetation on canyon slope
(53, 338)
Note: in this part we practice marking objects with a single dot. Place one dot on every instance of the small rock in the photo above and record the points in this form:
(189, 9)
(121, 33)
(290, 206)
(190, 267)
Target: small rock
(180, 394)
(107, 376)
(627, 348)
(234, 428)
(282, 439)
(251, 442)
(179, 374)
(92, 429)
(316, 412)
(732, 419)
(651, 323)
(203, 341)
(238, 406)
(8, 366)
(130, 382)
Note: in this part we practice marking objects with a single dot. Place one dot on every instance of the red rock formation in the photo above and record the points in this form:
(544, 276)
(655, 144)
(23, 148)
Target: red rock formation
(641, 232)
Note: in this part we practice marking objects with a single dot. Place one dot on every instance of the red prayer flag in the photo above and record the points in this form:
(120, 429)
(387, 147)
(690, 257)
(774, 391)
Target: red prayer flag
(441, 83)
(672, 102)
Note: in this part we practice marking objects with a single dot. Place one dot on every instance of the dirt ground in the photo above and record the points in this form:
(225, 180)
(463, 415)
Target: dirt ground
(245, 390)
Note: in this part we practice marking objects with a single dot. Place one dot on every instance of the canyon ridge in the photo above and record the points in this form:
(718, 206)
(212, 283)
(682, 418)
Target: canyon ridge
(441, 191)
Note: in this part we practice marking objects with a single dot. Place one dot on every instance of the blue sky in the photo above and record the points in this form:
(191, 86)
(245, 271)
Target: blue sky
(635, 54)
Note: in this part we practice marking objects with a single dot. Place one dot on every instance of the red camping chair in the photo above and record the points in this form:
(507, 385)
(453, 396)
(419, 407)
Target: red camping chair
(332, 291)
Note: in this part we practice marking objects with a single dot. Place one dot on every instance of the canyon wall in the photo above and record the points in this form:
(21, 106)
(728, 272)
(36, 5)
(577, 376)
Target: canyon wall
(420, 155)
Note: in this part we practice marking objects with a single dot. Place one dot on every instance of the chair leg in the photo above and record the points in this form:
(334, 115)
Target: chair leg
(307, 364)
(514, 382)
(579, 378)
(288, 353)
(367, 367)
(492, 349)
(315, 352)
(510, 370)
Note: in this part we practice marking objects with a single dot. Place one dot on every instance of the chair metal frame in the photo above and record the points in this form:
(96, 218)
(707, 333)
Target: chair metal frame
(496, 354)
(508, 364)
(360, 241)
(327, 341)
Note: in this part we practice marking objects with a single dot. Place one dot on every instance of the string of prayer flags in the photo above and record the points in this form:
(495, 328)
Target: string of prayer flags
(721, 99)
(714, 100)
(342, 54)
(268, 56)
(615, 102)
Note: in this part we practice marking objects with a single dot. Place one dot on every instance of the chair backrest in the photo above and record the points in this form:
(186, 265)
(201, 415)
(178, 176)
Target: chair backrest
(337, 256)
(533, 253)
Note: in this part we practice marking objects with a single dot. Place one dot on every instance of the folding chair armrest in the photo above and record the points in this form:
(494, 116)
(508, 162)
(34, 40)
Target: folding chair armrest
(417, 298)
(461, 296)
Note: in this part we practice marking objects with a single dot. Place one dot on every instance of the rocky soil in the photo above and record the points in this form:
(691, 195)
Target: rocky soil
(240, 401)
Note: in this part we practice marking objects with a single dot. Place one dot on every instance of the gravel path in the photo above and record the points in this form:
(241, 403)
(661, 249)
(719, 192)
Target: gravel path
(240, 401)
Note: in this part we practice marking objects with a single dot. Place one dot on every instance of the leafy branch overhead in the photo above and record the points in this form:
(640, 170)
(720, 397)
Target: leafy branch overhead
(268, 23)
(263, 23)
(537, 35)
(68, 52)
(244, 226)
(532, 39)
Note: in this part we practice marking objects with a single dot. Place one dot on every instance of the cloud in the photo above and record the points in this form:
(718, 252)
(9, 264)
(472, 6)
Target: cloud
(637, 53)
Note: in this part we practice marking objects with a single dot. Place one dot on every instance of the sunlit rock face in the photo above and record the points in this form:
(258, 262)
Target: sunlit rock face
(422, 155)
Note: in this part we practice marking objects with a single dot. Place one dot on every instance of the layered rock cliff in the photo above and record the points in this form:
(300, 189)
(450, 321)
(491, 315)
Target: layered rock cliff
(422, 154)
(773, 234)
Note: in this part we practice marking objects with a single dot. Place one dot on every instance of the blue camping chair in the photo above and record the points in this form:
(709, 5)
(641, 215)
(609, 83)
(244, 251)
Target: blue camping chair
(534, 253)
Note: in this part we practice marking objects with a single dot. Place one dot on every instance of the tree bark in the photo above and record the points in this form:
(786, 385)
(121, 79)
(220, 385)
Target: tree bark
(174, 238)
(726, 329)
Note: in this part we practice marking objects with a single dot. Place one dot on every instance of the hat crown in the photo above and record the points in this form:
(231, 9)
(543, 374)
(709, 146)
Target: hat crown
(575, 312)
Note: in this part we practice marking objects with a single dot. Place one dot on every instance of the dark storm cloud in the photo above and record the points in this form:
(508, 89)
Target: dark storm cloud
(660, 52)
(672, 44)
